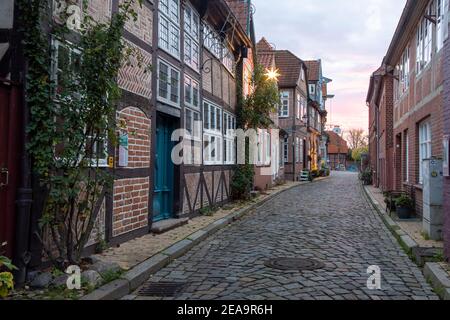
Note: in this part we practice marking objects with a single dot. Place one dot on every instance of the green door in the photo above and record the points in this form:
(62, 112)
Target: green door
(164, 171)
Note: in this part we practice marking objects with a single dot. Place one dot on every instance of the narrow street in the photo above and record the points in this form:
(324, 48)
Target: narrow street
(343, 232)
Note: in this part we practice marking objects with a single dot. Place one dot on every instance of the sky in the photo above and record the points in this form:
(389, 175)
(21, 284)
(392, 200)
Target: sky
(350, 36)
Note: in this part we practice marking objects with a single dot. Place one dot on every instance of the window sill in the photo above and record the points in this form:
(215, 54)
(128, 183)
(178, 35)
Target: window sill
(418, 186)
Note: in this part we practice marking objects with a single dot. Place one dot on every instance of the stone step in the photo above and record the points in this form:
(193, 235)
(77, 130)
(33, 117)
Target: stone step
(167, 225)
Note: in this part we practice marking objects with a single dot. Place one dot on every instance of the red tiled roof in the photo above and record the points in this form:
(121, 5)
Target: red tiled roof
(313, 70)
(336, 144)
(289, 66)
(265, 53)
(240, 10)
(263, 45)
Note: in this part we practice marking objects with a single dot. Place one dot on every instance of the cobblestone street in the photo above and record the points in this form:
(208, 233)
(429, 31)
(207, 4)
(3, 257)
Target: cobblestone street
(330, 221)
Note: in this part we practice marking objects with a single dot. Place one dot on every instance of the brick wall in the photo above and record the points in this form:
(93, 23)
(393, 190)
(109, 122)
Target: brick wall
(143, 26)
(130, 209)
(138, 127)
(446, 113)
(135, 77)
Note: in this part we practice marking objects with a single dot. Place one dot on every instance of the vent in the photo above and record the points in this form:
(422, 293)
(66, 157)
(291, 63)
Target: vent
(294, 264)
(161, 289)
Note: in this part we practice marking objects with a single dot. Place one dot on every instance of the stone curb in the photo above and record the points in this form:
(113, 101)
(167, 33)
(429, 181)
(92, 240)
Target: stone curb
(407, 243)
(439, 279)
(137, 275)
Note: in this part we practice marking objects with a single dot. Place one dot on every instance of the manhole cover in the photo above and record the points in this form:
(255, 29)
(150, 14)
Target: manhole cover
(161, 289)
(294, 264)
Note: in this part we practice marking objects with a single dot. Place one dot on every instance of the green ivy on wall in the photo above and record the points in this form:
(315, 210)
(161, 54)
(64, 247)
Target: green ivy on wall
(72, 117)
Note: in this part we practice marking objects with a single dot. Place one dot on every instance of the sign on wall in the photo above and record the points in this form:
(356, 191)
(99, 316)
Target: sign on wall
(123, 149)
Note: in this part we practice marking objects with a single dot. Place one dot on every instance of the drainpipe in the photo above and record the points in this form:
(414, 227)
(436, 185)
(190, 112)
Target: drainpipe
(22, 254)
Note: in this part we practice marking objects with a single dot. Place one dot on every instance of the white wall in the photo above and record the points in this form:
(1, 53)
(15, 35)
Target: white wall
(6, 14)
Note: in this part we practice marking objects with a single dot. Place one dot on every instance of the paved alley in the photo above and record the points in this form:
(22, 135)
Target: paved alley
(329, 221)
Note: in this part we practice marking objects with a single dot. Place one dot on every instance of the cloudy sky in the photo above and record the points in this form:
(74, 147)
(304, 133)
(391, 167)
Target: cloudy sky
(350, 36)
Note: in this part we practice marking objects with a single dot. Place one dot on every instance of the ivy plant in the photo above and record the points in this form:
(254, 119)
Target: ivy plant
(72, 93)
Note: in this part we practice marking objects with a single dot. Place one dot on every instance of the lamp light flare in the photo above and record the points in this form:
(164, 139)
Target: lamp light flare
(272, 74)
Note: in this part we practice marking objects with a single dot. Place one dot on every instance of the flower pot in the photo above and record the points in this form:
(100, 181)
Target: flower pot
(403, 212)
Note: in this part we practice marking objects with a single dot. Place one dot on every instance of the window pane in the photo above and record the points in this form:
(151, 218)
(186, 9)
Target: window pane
(187, 90)
(189, 121)
(195, 94)
(163, 80)
(174, 86)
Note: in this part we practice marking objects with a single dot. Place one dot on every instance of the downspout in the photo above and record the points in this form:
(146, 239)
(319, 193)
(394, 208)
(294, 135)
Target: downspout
(22, 255)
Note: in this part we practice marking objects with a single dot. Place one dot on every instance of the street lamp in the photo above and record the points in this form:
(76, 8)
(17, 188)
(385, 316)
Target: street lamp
(272, 74)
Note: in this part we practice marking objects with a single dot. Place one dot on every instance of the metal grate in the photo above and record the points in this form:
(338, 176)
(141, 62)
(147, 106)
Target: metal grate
(292, 264)
(161, 289)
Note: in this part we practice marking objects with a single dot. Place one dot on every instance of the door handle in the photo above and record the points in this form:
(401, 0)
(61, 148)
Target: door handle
(4, 172)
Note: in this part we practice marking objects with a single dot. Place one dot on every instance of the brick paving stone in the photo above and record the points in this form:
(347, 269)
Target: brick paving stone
(330, 221)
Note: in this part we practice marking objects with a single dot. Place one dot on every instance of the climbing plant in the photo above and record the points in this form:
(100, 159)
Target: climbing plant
(72, 93)
(254, 113)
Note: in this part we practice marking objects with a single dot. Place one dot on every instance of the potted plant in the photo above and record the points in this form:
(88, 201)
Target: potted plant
(404, 207)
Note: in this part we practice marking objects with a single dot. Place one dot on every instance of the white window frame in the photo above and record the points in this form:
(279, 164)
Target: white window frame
(211, 41)
(442, 14)
(403, 69)
(56, 44)
(191, 37)
(194, 90)
(312, 89)
(229, 126)
(169, 16)
(170, 68)
(424, 42)
(283, 110)
(297, 150)
(299, 106)
(424, 145)
(210, 134)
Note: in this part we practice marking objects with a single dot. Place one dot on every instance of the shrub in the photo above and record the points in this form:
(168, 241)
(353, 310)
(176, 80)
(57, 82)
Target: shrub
(404, 202)
(366, 177)
(6, 278)
(242, 182)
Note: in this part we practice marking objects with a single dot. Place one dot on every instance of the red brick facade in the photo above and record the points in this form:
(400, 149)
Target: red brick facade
(446, 113)
(401, 98)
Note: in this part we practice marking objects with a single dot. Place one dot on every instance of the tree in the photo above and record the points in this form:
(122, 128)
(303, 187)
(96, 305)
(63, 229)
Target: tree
(356, 139)
(254, 113)
(357, 153)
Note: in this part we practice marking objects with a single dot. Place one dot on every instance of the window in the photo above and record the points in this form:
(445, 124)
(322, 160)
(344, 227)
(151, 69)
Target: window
(64, 55)
(403, 73)
(192, 139)
(212, 138)
(286, 150)
(191, 92)
(442, 23)
(212, 41)
(303, 102)
(168, 84)
(66, 61)
(312, 89)
(229, 125)
(297, 149)
(302, 143)
(191, 37)
(406, 156)
(446, 162)
(267, 148)
(424, 146)
(424, 39)
(283, 111)
(169, 31)
(228, 59)
(299, 106)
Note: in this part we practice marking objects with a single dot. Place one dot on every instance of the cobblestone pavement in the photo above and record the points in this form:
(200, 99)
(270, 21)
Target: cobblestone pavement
(330, 221)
